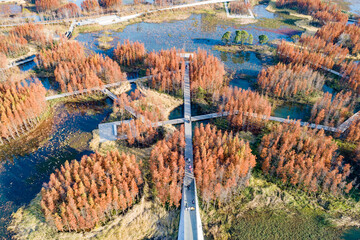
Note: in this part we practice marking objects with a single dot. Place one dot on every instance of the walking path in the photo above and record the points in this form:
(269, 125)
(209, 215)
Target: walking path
(190, 223)
(102, 88)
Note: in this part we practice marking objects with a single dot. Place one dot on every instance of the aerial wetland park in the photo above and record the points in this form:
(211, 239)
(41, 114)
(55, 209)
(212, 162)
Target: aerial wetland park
(180, 119)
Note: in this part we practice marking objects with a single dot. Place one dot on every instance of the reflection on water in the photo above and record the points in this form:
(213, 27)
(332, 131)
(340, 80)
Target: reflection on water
(21, 178)
(293, 111)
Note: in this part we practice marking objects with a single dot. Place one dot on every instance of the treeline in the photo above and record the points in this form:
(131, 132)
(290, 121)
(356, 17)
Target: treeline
(168, 70)
(346, 35)
(72, 10)
(332, 110)
(73, 70)
(222, 163)
(239, 8)
(21, 105)
(305, 158)
(167, 168)
(290, 80)
(14, 43)
(138, 132)
(351, 76)
(68, 11)
(352, 134)
(206, 72)
(81, 195)
(251, 109)
(130, 53)
(313, 51)
(321, 11)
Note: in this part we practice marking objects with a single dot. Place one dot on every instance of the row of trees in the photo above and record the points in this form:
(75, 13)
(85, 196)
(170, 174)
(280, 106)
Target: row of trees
(168, 70)
(14, 43)
(347, 35)
(21, 105)
(351, 76)
(321, 11)
(318, 45)
(72, 10)
(73, 70)
(68, 10)
(290, 80)
(247, 110)
(241, 37)
(130, 53)
(206, 72)
(239, 8)
(352, 134)
(167, 168)
(305, 159)
(138, 132)
(332, 110)
(82, 194)
(222, 163)
(293, 54)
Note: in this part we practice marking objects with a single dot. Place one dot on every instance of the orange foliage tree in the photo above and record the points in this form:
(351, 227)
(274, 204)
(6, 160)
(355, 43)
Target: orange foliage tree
(130, 53)
(290, 80)
(21, 105)
(167, 168)
(332, 111)
(68, 11)
(352, 134)
(247, 110)
(82, 194)
(239, 8)
(222, 163)
(305, 158)
(74, 70)
(206, 72)
(351, 76)
(90, 5)
(46, 5)
(167, 70)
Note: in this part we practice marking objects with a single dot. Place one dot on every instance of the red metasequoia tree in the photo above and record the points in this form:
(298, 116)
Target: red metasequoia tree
(3, 60)
(290, 80)
(222, 163)
(247, 110)
(332, 111)
(206, 72)
(80, 195)
(73, 70)
(167, 166)
(167, 69)
(14, 43)
(130, 53)
(68, 11)
(321, 11)
(47, 5)
(311, 54)
(305, 158)
(351, 76)
(90, 5)
(138, 132)
(32, 33)
(239, 8)
(21, 105)
(352, 134)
